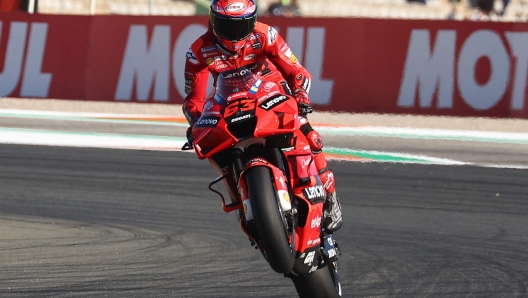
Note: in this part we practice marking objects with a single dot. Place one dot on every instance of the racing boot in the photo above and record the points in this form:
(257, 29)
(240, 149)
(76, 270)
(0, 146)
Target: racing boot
(332, 207)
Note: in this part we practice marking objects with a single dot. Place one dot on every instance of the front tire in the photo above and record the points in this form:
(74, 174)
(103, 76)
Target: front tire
(318, 284)
(269, 219)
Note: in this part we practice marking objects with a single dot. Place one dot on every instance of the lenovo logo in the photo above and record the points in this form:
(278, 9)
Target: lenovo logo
(315, 192)
(210, 121)
(270, 103)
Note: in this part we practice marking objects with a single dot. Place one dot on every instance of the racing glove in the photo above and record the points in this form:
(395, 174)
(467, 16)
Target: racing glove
(303, 103)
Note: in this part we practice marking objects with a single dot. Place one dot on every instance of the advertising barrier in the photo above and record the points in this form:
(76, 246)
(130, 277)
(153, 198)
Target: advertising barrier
(455, 68)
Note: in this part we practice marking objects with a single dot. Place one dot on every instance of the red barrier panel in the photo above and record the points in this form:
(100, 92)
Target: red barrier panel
(43, 56)
(140, 58)
(358, 65)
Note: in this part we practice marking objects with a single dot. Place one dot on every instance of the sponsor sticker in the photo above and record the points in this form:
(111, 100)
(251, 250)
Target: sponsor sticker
(268, 86)
(208, 49)
(256, 45)
(314, 241)
(208, 113)
(255, 86)
(266, 96)
(238, 72)
(220, 65)
(257, 160)
(272, 35)
(331, 253)
(306, 84)
(286, 196)
(237, 6)
(316, 222)
(294, 59)
(272, 102)
(191, 57)
(241, 118)
(315, 192)
(208, 54)
(330, 240)
(207, 121)
(309, 257)
(219, 99)
(249, 57)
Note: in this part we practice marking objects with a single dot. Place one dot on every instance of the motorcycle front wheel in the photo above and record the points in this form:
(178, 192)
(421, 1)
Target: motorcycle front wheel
(269, 220)
(323, 283)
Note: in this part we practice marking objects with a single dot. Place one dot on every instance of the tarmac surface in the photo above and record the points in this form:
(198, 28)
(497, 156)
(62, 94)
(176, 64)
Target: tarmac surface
(86, 222)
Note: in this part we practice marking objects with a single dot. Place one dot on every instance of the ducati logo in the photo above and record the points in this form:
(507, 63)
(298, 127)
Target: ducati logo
(241, 118)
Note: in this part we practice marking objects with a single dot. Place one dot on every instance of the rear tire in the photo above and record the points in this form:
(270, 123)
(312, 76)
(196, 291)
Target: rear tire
(269, 219)
(318, 284)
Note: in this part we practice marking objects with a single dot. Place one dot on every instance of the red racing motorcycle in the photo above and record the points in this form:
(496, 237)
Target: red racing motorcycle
(249, 131)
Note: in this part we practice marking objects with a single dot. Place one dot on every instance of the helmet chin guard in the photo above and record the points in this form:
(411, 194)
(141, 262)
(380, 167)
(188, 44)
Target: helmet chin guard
(232, 46)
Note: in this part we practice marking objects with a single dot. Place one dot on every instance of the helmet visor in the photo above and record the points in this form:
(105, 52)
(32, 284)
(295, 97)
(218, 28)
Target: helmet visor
(233, 29)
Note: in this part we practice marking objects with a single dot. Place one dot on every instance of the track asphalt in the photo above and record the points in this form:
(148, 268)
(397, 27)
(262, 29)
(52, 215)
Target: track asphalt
(101, 222)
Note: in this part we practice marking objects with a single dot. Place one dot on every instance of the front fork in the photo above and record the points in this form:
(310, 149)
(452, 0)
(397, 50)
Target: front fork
(310, 256)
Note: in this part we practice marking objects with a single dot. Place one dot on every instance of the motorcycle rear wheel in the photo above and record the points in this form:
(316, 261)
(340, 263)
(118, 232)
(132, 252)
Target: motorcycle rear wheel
(318, 284)
(269, 219)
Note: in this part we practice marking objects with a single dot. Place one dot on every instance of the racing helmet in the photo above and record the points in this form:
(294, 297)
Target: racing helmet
(232, 22)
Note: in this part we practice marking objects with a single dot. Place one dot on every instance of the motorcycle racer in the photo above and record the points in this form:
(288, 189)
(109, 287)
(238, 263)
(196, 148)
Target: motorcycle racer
(235, 39)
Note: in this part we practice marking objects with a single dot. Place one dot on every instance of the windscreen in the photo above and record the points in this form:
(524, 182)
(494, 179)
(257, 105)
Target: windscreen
(233, 81)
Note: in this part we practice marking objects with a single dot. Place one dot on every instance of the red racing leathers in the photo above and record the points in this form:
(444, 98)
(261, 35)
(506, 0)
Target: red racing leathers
(268, 56)
(262, 46)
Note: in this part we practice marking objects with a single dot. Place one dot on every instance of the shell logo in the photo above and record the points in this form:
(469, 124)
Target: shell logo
(294, 59)
(237, 6)
(286, 196)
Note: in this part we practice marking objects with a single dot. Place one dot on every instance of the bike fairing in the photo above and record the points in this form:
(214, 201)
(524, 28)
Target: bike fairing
(267, 55)
(215, 136)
